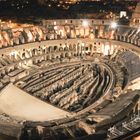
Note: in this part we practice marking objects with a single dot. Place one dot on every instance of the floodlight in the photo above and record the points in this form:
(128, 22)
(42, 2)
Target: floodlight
(85, 23)
(55, 27)
(114, 25)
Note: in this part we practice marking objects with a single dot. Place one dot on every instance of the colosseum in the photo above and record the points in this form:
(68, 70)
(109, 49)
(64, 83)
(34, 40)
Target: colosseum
(70, 79)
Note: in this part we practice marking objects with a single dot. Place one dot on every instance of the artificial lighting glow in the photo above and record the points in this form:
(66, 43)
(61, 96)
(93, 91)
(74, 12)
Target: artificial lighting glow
(113, 25)
(55, 27)
(85, 23)
(83, 44)
(54, 23)
(13, 53)
(91, 36)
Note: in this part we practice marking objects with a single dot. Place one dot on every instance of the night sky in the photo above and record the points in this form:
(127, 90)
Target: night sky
(50, 9)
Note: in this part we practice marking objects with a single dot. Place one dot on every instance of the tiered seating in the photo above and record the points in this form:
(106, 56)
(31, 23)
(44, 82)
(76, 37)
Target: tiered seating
(9, 71)
(88, 123)
(128, 34)
(21, 35)
(118, 72)
(65, 81)
(132, 62)
(124, 127)
(16, 66)
(99, 90)
(71, 87)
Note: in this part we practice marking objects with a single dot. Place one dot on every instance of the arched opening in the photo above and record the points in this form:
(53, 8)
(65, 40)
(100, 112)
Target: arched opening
(70, 47)
(60, 49)
(55, 48)
(74, 47)
(23, 55)
(34, 52)
(57, 57)
(49, 49)
(53, 56)
(66, 49)
(62, 55)
(67, 54)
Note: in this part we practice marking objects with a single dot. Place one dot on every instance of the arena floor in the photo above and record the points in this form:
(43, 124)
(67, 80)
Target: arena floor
(23, 106)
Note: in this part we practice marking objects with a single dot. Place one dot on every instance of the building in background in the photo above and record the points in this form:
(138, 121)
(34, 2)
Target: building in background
(136, 16)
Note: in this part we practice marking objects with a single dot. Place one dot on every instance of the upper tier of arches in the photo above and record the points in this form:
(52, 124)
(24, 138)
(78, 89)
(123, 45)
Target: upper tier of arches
(68, 29)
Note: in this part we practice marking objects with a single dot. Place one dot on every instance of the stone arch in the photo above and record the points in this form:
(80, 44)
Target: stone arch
(44, 58)
(78, 49)
(52, 48)
(23, 55)
(17, 56)
(27, 54)
(53, 56)
(70, 47)
(66, 48)
(48, 57)
(49, 49)
(40, 51)
(3, 72)
(57, 56)
(71, 54)
(62, 55)
(38, 60)
(34, 51)
(67, 54)
(60, 49)
(74, 47)
(90, 47)
(43, 51)
(55, 48)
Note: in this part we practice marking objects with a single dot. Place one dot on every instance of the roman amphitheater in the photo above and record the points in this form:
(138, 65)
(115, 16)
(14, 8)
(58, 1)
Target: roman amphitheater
(70, 79)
